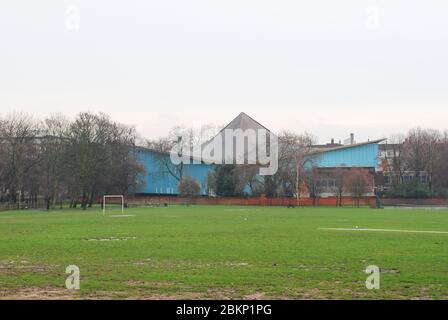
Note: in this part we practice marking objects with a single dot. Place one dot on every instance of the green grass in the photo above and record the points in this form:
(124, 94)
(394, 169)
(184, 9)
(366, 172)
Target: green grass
(224, 252)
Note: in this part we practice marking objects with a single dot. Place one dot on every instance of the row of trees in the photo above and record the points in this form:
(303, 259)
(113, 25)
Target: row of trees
(58, 159)
(339, 182)
(416, 163)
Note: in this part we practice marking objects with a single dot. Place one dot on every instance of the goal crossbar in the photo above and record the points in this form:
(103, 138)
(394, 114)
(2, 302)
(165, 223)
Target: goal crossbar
(113, 196)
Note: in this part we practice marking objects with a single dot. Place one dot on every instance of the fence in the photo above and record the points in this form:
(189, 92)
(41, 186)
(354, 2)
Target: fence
(442, 202)
(252, 201)
(7, 206)
(23, 205)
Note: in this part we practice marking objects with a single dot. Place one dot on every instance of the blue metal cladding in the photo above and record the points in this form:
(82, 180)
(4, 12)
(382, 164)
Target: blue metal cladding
(159, 180)
(365, 156)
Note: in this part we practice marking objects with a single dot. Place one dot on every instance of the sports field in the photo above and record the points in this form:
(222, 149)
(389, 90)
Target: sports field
(225, 252)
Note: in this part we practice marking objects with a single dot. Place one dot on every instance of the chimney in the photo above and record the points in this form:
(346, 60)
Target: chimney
(352, 138)
(332, 141)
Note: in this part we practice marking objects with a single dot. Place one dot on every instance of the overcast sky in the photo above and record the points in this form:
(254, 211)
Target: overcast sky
(329, 67)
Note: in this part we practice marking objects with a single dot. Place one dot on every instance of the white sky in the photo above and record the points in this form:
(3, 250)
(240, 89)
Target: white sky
(329, 67)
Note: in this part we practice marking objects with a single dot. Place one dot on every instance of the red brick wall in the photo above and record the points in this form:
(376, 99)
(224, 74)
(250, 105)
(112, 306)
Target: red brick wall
(260, 201)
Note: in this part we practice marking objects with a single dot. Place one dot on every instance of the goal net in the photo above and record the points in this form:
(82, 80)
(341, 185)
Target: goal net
(117, 200)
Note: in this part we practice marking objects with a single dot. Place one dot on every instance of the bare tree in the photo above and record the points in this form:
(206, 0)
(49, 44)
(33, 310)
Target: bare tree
(184, 140)
(246, 176)
(189, 187)
(101, 158)
(440, 174)
(414, 149)
(20, 157)
(432, 154)
(292, 157)
(53, 146)
(313, 182)
(421, 152)
(358, 183)
(163, 147)
(395, 159)
(339, 176)
(58, 159)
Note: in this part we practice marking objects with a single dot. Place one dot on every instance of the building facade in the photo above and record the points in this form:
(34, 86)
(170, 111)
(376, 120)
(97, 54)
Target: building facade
(335, 159)
(162, 177)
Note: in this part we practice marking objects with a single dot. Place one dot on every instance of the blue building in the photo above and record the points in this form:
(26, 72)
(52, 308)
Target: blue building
(328, 161)
(361, 155)
(162, 177)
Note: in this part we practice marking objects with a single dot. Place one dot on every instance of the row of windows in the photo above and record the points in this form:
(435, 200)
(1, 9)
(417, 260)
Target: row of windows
(389, 154)
(424, 179)
(165, 190)
(330, 183)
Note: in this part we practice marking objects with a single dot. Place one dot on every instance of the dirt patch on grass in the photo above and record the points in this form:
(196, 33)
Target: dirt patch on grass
(424, 295)
(255, 296)
(160, 290)
(237, 264)
(389, 270)
(20, 267)
(52, 293)
(153, 284)
(157, 293)
(308, 294)
(37, 293)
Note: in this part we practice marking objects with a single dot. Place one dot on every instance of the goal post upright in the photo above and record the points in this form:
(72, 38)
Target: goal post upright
(113, 196)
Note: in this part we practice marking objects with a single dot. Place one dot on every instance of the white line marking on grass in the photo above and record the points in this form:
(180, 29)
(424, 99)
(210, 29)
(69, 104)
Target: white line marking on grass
(112, 239)
(385, 230)
(238, 210)
(122, 216)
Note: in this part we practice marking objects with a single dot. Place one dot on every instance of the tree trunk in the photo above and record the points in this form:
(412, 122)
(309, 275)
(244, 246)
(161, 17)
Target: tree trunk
(92, 197)
(84, 200)
(47, 203)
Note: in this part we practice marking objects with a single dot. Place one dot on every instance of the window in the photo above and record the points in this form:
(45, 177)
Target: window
(424, 179)
(326, 183)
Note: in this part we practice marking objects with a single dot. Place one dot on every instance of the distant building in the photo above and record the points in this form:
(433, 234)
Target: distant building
(328, 159)
(325, 158)
(160, 181)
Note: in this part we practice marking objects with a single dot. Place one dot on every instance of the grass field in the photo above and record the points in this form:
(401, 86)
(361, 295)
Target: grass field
(224, 252)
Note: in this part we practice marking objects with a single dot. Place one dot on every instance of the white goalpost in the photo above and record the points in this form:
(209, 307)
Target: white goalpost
(105, 197)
